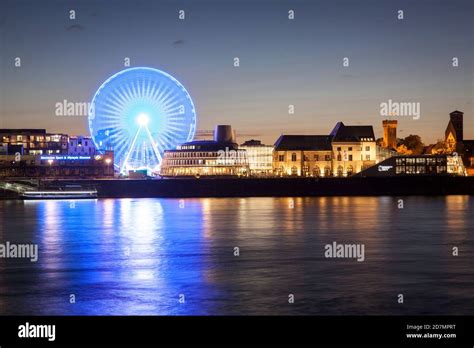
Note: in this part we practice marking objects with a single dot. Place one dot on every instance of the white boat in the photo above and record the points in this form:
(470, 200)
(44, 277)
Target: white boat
(58, 194)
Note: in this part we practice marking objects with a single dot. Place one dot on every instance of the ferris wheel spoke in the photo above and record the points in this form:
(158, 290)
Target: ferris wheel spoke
(116, 102)
(148, 88)
(122, 95)
(128, 92)
(165, 96)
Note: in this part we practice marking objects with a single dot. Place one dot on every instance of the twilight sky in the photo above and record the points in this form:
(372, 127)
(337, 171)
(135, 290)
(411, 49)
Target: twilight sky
(282, 61)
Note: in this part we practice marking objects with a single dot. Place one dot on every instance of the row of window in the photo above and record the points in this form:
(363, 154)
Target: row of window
(13, 138)
(41, 152)
(317, 171)
(281, 158)
(83, 150)
(203, 171)
(187, 147)
(79, 143)
(367, 148)
(190, 154)
(350, 158)
(40, 145)
(421, 160)
(411, 169)
(55, 171)
(212, 162)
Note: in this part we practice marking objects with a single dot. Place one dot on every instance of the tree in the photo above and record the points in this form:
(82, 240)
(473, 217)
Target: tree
(402, 150)
(414, 144)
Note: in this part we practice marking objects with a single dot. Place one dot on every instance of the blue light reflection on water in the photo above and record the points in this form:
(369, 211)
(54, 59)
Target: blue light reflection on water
(145, 251)
(136, 256)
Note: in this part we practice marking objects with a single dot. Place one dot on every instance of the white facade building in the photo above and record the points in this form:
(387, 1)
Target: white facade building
(354, 149)
(259, 157)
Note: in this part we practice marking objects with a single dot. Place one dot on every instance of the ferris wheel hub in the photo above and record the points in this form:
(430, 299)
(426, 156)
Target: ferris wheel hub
(143, 119)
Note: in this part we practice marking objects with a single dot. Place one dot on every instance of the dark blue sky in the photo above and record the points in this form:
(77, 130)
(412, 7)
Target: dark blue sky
(282, 62)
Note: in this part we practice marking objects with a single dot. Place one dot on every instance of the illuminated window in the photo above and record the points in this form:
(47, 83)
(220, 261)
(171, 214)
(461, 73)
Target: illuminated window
(400, 170)
(400, 161)
(420, 160)
(441, 169)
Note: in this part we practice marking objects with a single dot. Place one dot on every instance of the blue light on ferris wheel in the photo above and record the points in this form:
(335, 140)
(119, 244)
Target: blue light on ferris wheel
(139, 113)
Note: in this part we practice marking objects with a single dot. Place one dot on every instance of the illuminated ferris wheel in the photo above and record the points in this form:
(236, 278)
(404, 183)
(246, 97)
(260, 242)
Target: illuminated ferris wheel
(139, 113)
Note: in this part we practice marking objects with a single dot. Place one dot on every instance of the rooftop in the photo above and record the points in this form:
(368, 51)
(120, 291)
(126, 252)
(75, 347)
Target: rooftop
(341, 132)
(303, 142)
(205, 145)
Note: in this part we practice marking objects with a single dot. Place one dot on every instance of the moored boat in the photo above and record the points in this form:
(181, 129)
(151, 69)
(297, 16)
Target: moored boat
(58, 194)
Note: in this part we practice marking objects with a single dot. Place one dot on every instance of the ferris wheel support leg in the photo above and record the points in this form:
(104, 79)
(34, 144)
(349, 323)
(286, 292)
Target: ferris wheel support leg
(153, 145)
(130, 149)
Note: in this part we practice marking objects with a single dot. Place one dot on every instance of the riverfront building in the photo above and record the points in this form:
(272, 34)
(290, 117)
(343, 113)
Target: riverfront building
(416, 165)
(220, 156)
(32, 142)
(303, 155)
(260, 157)
(455, 142)
(57, 166)
(345, 151)
(353, 147)
(36, 153)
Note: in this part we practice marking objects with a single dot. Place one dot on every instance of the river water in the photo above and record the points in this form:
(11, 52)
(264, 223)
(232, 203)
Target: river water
(179, 257)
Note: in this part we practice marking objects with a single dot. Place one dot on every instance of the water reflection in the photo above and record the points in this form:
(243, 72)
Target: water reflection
(136, 256)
